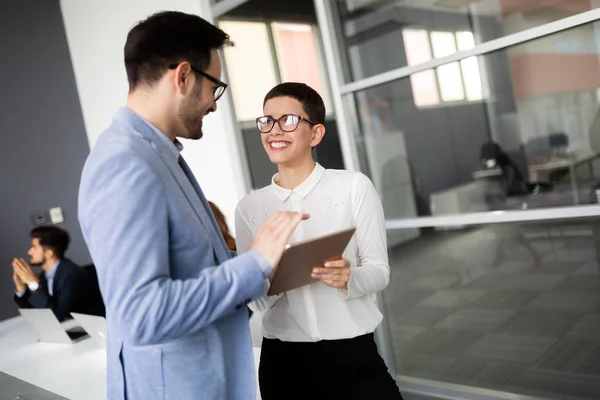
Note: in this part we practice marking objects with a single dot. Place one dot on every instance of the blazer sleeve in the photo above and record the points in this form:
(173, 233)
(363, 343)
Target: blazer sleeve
(244, 243)
(23, 301)
(124, 216)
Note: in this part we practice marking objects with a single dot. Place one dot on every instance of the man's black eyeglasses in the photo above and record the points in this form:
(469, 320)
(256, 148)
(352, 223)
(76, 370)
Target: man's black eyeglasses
(287, 122)
(219, 89)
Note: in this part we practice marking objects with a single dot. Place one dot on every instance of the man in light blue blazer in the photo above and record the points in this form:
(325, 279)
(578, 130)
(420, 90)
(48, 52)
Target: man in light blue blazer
(175, 301)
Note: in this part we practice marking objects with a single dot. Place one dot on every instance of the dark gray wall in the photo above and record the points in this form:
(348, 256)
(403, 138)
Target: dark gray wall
(43, 144)
(288, 10)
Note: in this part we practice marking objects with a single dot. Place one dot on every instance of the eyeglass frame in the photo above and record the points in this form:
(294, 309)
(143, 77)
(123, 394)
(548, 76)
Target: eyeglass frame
(300, 119)
(219, 83)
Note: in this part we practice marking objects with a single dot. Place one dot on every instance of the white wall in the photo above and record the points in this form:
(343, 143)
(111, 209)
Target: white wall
(96, 33)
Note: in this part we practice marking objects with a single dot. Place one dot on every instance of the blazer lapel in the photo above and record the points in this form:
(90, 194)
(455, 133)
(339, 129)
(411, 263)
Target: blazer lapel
(44, 280)
(190, 187)
(193, 195)
(57, 278)
(222, 251)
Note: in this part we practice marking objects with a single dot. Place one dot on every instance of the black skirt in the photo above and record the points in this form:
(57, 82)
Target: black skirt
(347, 369)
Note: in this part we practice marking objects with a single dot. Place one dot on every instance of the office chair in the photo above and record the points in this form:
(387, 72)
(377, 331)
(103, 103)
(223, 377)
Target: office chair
(94, 295)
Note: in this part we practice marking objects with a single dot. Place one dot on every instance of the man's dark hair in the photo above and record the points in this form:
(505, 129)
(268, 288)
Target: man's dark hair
(311, 101)
(169, 37)
(53, 238)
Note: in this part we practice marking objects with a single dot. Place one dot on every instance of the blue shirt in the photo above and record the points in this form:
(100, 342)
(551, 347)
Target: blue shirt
(50, 277)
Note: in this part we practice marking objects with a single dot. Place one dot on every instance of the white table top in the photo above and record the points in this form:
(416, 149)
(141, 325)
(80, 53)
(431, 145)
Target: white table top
(75, 371)
(561, 162)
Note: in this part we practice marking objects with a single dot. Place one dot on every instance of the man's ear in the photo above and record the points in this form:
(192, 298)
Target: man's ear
(317, 135)
(48, 252)
(183, 77)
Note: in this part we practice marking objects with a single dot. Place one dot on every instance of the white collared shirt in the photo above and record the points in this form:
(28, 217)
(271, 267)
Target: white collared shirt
(335, 200)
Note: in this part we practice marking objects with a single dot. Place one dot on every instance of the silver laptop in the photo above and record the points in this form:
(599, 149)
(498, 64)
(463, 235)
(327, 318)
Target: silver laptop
(46, 327)
(93, 325)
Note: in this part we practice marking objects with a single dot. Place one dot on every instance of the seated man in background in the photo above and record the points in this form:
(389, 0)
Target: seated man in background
(62, 286)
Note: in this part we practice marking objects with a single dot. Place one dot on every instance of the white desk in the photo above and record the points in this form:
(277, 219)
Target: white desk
(487, 173)
(76, 371)
(555, 163)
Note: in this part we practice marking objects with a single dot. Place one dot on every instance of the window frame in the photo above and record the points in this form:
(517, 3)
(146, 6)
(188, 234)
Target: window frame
(442, 102)
(275, 57)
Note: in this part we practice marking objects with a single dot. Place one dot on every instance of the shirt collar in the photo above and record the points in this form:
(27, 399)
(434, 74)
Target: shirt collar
(303, 189)
(174, 147)
(52, 271)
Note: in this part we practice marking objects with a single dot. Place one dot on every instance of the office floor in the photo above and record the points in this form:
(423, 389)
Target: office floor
(505, 307)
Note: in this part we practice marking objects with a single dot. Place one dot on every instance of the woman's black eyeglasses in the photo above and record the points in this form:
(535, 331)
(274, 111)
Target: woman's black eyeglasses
(219, 89)
(287, 122)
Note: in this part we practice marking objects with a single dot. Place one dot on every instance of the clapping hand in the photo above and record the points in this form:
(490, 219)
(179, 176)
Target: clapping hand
(23, 271)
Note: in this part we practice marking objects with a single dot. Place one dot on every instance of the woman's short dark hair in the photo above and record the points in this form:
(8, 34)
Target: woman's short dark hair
(311, 101)
(169, 37)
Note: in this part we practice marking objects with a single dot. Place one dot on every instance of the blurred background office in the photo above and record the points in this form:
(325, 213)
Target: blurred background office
(477, 121)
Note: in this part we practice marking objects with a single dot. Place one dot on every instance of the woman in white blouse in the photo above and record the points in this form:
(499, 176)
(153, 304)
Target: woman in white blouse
(318, 339)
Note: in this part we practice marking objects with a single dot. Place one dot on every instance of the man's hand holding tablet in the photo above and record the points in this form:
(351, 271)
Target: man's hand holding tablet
(272, 236)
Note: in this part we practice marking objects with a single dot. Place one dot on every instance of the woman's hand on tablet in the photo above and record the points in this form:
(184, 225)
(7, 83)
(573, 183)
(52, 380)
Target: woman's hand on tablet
(334, 273)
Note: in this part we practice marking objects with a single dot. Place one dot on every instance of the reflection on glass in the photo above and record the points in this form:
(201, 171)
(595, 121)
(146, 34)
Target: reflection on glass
(450, 82)
(450, 79)
(425, 88)
(368, 29)
(295, 43)
(508, 307)
(251, 62)
(297, 55)
(532, 141)
(443, 44)
(470, 70)
(418, 50)
(416, 42)
(465, 40)
(250, 66)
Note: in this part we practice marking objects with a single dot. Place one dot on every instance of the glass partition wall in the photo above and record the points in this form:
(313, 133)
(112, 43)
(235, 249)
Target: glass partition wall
(495, 309)
(477, 121)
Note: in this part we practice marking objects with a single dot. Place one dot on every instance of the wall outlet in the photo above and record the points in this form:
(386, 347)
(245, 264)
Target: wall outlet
(56, 215)
(39, 218)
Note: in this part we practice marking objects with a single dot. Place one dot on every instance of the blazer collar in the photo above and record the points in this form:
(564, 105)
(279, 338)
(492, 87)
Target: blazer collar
(140, 126)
